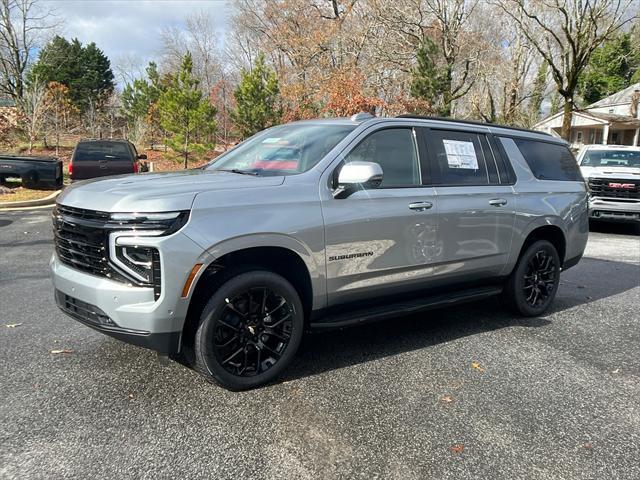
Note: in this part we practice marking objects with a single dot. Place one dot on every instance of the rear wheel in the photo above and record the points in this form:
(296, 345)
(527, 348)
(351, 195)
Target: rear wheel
(533, 284)
(249, 330)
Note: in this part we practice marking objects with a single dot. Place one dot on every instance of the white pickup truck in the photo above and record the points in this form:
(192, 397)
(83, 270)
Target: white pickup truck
(612, 173)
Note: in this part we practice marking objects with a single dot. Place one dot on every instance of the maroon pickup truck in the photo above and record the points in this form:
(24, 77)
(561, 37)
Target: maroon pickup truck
(99, 158)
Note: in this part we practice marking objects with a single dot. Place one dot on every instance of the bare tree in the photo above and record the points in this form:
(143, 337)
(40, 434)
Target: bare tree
(565, 33)
(33, 107)
(199, 37)
(24, 26)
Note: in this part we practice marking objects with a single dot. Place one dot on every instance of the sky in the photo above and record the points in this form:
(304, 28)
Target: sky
(129, 28)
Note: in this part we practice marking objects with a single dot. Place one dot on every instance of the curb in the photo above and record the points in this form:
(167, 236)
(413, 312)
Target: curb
(49, 200)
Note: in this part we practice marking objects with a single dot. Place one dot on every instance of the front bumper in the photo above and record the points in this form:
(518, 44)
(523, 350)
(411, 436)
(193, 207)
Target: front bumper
(127, 312)
(601, 208)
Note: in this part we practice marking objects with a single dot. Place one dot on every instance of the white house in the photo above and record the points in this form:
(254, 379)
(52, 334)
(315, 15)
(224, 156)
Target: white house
(612, 120)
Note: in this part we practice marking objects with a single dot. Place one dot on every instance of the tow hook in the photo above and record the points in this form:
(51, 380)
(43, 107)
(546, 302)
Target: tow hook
(163, 359)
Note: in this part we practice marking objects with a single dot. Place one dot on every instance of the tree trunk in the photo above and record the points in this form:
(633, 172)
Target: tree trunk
(566, 119)
(186, 151)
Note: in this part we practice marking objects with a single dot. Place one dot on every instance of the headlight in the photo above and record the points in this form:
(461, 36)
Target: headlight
(137, 261)
(149, 224)
(141, 263)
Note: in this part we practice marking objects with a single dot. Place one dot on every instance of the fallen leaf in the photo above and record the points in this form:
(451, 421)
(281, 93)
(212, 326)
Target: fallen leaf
(131, 396)
(64, 350)
(617, 370)
(12, 325)
(447, 399)
(458, 448)
(587, 446)
(477, 366)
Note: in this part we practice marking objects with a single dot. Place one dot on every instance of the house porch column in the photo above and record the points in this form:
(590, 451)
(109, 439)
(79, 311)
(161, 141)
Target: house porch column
(605, 134)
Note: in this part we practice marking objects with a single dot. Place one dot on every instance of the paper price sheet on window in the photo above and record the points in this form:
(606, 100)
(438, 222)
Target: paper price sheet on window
(461, 154)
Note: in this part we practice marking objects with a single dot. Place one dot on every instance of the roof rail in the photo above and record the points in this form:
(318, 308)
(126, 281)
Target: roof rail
(359, 117)
(470, 122)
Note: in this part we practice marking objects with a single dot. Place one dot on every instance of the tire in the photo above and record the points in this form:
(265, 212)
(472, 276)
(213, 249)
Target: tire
(534, 282)
(249, 330)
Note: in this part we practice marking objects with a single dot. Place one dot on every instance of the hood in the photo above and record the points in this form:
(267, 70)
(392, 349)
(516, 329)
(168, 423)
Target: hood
(631, 173)
(155, 192)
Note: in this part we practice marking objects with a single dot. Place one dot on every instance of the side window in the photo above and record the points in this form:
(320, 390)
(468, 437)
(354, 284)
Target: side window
(549, 161)
(394, 149)
(459, 158)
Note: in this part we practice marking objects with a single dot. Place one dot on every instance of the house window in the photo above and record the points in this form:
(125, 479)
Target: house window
(580, 136)
(614, 138)
(591, 136)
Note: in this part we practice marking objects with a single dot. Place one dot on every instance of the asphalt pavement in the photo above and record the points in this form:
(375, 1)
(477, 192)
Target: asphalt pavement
(469, 392)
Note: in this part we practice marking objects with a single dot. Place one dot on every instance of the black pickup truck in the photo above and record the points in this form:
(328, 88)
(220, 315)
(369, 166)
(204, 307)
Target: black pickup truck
(35, 172)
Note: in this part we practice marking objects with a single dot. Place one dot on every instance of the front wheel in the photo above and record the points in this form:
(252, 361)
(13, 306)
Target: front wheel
(533, 284)
(249, 330)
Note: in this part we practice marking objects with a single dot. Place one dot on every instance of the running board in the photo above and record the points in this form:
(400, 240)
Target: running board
(383, 312)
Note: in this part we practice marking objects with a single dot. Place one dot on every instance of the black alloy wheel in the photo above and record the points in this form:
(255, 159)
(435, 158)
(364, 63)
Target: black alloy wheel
(253, 331)
(250, 329)
(540, 278)
(533, 283)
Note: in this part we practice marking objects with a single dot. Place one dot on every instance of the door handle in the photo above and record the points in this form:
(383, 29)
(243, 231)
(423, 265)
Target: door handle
(420, 206)
(497, 202)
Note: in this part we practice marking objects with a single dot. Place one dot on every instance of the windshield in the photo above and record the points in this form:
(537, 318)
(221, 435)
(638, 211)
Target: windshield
(611, 158)
(283, 150)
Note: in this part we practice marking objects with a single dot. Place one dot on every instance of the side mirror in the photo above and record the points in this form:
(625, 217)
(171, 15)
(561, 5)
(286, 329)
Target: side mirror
(142, 156)
(355, 175)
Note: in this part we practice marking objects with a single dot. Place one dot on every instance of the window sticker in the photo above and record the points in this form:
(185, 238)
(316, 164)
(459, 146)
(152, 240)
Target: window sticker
(461, 154)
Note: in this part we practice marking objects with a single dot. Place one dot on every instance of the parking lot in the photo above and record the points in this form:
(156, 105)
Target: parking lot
(465, 392)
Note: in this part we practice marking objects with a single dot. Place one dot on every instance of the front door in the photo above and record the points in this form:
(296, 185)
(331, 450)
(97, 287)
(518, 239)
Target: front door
(381, 241)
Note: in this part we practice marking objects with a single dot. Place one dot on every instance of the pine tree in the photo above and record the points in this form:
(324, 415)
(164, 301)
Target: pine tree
(84, 70)
(611, 69)
(257, 98)
(428, 80)
(186, 114)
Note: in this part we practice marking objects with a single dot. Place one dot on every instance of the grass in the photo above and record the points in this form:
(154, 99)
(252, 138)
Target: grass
(21, 194)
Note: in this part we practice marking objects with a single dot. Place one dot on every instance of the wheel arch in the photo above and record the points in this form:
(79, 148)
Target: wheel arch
(279, 254)
(550, 232)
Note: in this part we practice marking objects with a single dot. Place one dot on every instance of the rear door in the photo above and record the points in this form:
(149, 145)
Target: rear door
(476, 205)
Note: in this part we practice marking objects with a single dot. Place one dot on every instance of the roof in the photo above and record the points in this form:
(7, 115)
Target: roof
(623, 96)
(611, 117)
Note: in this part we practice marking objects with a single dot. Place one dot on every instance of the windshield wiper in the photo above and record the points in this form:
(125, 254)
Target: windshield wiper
(240, 172)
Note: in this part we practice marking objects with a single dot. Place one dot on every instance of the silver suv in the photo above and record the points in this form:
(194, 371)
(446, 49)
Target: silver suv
(318, 224)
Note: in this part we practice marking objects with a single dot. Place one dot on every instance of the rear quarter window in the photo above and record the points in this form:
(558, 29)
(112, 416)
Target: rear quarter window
(549, 161)
(97, 151)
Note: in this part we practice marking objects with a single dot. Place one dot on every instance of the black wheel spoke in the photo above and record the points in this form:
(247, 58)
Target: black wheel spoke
(263, 308)
(286, 317)
(282, 304)
(233, 308)
(230, 357)
(279, 336)
(224, 323)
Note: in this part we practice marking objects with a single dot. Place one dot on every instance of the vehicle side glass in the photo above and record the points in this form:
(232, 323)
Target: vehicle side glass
(458, 158)
(394, 149)
(549, 161)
